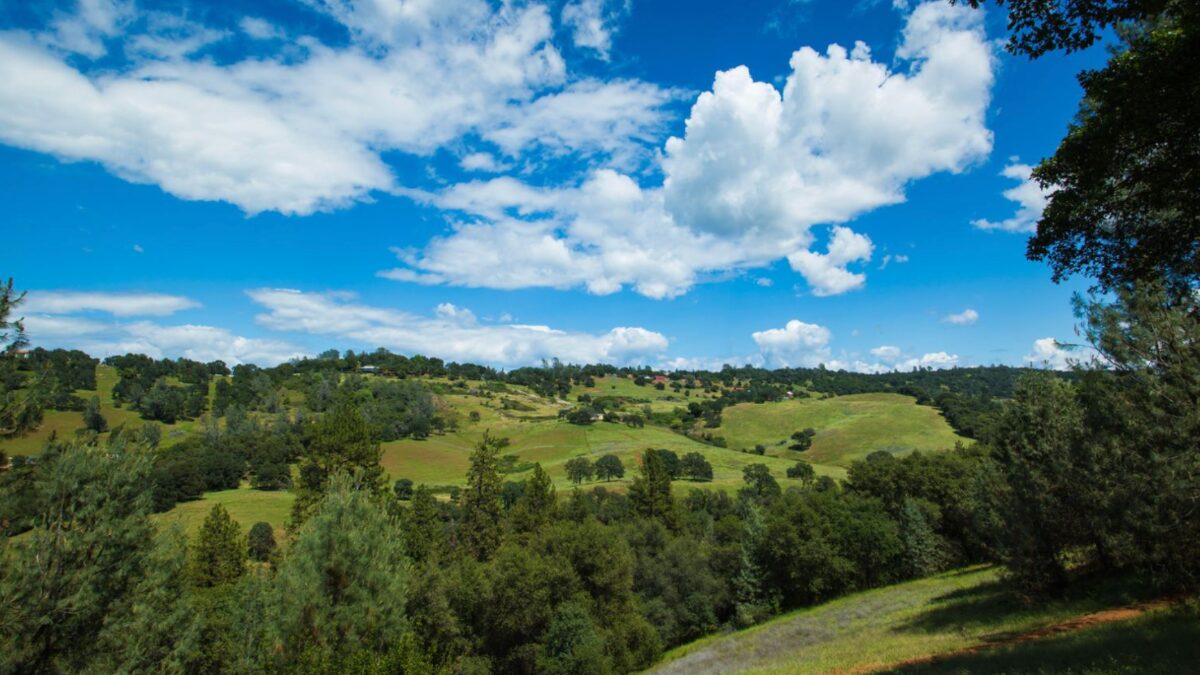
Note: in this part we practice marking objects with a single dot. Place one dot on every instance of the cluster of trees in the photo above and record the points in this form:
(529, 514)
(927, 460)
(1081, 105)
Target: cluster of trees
(148, 386)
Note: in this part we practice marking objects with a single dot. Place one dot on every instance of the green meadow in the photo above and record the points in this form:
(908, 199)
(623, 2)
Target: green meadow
(848, 427)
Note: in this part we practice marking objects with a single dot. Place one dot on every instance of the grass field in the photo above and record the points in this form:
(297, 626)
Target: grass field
(63, 424)
(245, 505)
(876, 630)
(848, 427)
(659, 401)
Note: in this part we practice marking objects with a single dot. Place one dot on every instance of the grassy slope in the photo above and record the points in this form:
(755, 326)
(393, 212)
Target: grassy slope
(660, 401)
(245, 505)
(65, 423)
(848, 427)
(870, 630)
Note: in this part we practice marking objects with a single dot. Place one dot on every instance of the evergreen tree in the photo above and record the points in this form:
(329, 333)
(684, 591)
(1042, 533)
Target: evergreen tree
(536, 505)
(93, 420)
(219, 555)
(650, 492)
(480, 528)
(341, 443)
(343, 585)
(423, 532)
(75, 572)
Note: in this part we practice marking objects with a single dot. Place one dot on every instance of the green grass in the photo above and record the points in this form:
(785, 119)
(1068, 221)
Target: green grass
(659, 401)
(1165, 641)
(245, 505)
(848, 427)
(877, 628)
(64, 423)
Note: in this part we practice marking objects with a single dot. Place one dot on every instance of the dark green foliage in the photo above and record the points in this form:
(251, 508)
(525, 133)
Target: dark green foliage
(219, 554)
(803, 472)
(343, 584)
(403, 489)
(1038, 27)
(93, 420)
(695, 467)
(802, 440)
(760, 484)
(481, 505)
(668, 459)
(261, 542)
(579, 469)
(609, 467)
(650, 492)
(75, 576)
(536, 506)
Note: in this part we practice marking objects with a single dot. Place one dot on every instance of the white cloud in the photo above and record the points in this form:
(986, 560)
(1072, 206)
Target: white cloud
(303, 130)
(260, 29)
(1030, 197)
(796, 344)
(826, 273)
(197, 342)
(593, 23)
(1054, 355)
(453, 333)
(964, 318)
(85, 31)
(886, 353)
(117, 304)
(755, 170)
(482, 161)
(137, 248)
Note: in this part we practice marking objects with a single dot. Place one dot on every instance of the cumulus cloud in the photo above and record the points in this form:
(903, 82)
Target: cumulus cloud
(796, 344)
(755, 170)
(1031, 199)
(303, 130)
(1054, 355)
(964, 318)
(452, 333)
(886, 353)
(117, 304)
(826, 273)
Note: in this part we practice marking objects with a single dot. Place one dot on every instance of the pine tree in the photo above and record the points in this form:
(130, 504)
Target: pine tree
(261, 542)
(481, 500)
(537, 503)
(93, 420)
(651, 491)
(218, 556)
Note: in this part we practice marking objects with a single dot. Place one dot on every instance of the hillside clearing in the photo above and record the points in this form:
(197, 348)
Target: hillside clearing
(902, 624)
(848, 427)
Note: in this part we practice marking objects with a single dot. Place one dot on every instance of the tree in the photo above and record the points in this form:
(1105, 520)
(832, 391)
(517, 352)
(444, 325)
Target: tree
(609, 467)
(694, 466)
(403, 489)
(670, 461)
(18, 414)
(760, 484)
(650, 492)
(803, 472)
(75, 571)
(536, 505)
(340, 589)
(1126, 202)
(341, 443)
(481, 503)
(579, 469)
(219, 554)
(423, 532)
(802, 440)
(261, 542)
(93, 420)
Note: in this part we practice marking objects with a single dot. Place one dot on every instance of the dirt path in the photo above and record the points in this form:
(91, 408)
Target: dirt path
(1068, 626)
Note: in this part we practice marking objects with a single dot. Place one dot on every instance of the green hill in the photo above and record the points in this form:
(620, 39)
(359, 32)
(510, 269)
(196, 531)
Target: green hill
(969, 618)
(848, 427)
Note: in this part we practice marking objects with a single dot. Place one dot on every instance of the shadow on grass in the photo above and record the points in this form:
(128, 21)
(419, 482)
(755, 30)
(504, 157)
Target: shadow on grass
(1161, 642)
(991, 606)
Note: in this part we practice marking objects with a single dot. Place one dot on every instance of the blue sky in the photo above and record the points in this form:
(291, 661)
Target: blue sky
(675, 184)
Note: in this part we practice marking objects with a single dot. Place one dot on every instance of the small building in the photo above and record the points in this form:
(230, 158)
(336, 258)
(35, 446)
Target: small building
(368, 369)
(660, 379)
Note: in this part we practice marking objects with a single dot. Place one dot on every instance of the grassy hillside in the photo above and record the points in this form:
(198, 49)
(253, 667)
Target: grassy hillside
(848, 427)
(659, 401)
(886, 628)
(64, 423)
(245, 505)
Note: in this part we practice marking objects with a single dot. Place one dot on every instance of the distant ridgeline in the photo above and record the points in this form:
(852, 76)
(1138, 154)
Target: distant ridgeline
(168, 390)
